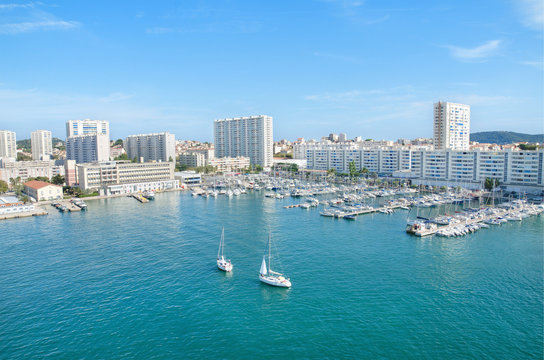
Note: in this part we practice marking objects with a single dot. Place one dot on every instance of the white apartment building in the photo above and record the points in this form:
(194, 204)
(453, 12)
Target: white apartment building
(88, 148)
(123, 177)
(299, 150)
(227, 164)
(42, 145)
(451, 126)
(151, 147)
(8, 144)
(525, 167)
(209, 153)
(29, 169)
(245, 136)
(515, 169)
(87, 127)
(192, 159)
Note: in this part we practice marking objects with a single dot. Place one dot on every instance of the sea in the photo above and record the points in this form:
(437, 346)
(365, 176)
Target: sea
(126, 280)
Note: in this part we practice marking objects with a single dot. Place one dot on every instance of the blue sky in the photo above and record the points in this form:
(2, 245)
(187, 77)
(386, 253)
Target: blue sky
(366, 68)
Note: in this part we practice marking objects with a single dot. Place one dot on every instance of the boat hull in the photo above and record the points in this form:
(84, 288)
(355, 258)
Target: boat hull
(274, 281)
(224, 265)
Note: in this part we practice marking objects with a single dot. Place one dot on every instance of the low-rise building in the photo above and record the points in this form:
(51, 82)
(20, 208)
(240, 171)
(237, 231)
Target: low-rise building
(29, 169)
(12, 205)
(188, 177)
(124, 177)
(192, 159)
(226, 164)
(42, 191)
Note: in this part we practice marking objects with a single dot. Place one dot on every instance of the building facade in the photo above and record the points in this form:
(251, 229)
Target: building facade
(8, 144)
(451, 126)
(115, 177)
(11, 205)
(88, 148)
(42, 145)
(42, 191)
(515, 169)
(228, 164)
(29, 169)
(192, 159)
(87, 127)
(151, 147)
(250, 137)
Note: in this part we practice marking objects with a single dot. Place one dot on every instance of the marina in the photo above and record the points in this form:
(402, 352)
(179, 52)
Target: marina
(163, 273)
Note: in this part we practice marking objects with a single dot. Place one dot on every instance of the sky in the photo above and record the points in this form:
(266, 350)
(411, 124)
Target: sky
(364, 68)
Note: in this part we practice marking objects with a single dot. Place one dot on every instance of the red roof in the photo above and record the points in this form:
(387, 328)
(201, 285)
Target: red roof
(36, 184)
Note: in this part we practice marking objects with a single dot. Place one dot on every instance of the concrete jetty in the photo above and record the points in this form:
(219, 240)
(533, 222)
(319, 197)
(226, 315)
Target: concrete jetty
(140, 198)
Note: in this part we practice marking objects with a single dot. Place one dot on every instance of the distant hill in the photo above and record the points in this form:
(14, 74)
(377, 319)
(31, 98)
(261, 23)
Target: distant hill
(505, 137)
(25, 143)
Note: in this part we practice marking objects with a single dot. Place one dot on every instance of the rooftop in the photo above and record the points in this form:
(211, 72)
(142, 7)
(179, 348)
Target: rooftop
(36, 184)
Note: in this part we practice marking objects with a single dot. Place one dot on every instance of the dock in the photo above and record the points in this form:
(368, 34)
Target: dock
(342, 213)
(140, 198)
(37, 212)
(65, 206)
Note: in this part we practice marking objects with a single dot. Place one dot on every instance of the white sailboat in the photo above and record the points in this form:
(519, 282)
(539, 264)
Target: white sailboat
(270, 277)
(222, 263)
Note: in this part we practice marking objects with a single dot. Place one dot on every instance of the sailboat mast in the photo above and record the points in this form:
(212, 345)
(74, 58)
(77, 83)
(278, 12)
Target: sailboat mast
(269, 252)
(220, 252)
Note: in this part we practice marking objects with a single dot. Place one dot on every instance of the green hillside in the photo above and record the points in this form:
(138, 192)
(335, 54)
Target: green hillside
(505, 137)
(26, 146)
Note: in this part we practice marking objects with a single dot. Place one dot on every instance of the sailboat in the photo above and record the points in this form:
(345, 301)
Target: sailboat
(267, 275)
(223, 264)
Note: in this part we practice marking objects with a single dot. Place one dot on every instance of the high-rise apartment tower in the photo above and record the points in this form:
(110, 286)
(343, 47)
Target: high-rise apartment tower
(42, 145)
(451, 126)
(245, 136)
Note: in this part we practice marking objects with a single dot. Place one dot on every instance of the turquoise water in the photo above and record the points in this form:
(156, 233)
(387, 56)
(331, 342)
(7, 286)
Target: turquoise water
(131, 280)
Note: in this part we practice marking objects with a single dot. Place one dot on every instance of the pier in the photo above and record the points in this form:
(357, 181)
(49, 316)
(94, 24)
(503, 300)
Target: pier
(65, 206)
(37, 212)
(140, 198)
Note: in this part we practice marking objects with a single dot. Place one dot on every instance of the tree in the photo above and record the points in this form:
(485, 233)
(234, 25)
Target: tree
(527, 146)
(293, 168)
(490, 183)
(135, 160)
(118, 142)
(57, 179)
(39, 178)
(181, 167)
(170, 159)
(121, 157)
(353, 170)
(3, 186)
(23, 157)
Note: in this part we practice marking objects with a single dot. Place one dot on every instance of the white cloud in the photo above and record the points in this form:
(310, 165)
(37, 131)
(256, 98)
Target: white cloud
(14, 6)
(481, 52)
(25, 27)
(537, 64)
(30, 17)
(532, 12)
